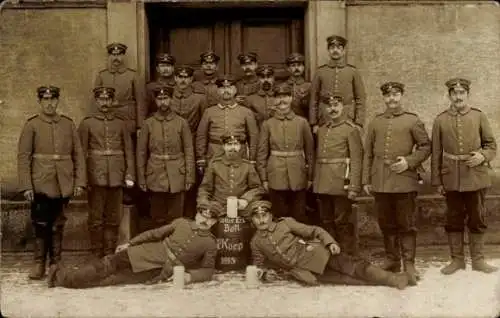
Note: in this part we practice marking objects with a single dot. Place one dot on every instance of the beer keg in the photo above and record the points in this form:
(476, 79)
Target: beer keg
(233, 243)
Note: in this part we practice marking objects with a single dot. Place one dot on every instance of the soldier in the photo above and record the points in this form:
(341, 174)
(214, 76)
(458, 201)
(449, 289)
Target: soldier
(300, 88)
(110, 165)
(262, 102)
(337, 173)
(51, 169)
(151, 256)
(206, 81)
(309, 253)
(337, 76)
(285, 157)
(165, 160)
(463, 144)
(390, 172)
(165, 68)
(249, 83)
(228, 116)
(230, 175)
(190, 105)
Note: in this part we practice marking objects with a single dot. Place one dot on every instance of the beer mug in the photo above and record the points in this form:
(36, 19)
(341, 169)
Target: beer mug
(179, 277)
(232, 207)
(252, 277)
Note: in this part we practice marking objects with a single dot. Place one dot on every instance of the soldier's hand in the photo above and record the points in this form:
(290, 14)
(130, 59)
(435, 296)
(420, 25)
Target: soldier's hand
(351, 195)
(242, 204)
(476, 159)
(201, 170)
(129, 183)
(334, 248)
(122, 247)
(400, 165)
(309, 184)
(265, 185)
(143, 187)
(188, 186)
(315, 129)
(29, 195)
(441, 190)
(77, 191)
(241, 99)
(368, 189)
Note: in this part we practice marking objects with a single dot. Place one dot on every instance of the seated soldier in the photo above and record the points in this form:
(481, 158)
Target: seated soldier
(230, 175)
(309, 253)
(151, 256)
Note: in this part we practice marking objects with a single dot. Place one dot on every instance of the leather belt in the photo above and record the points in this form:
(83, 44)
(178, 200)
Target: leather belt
(167, 156)
(51, 156)
(218, 142)
(456, 157)
(107, 152)
(332, 160)
(278, 153)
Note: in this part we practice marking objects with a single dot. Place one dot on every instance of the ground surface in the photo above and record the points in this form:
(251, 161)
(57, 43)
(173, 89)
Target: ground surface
(465, 294)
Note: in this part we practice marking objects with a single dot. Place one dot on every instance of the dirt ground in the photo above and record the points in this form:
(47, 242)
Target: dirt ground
(465, 294)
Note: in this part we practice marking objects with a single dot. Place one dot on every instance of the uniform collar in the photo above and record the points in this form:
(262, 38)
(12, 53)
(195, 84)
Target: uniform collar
(120, 70)
(166, 80)
(50, 119)
(103, 116)
(288, 116)
(454, 112)
(270, 229)
(232, 162)
(201, 232)
(394, 113)
(161, 117)
(209, 79)
(334, 122)
(337, 63)
(296, 80)
(251, 79)
(264, 93)
(227, 106)
(183, 93)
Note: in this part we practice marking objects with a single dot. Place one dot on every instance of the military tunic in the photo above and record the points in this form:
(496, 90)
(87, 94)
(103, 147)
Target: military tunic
(225, 177)
(189, 105)
(220, 120)
(150, 98)
(248, 85)
(206, 85)
(262, 104)
(338, 77)
(301, 95)
(128, 95)
(165, 163)
(455, 135)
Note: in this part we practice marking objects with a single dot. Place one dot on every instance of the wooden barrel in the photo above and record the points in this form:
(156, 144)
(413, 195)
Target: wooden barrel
(233, 243)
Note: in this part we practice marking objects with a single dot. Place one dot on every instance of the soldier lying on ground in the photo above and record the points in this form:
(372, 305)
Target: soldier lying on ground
(287, 244)
(151, 256)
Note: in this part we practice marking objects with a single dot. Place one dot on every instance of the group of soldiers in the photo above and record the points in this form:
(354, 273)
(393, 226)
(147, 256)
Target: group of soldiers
(198, 139)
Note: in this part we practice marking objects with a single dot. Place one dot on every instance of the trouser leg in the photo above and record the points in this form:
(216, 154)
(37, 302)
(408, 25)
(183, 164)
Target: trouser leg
(345, 228)
(112, 213)
(326, 209)
(406, 218)
(97, 197)
(296, 202)
(387, 222)
(278, 200)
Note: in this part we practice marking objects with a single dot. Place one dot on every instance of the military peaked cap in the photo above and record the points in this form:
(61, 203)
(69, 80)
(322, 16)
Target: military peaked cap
(162, 91)
(336, 40)
(184, 71)
(211, 209)
(295, 58)
(260, 206)
(247, 57)
(225, 80)
(165, 58)
(265, 70)
(283, 89)
(230, 137)
(104, 92)
(391, 86)
(48, 91)
(209, 57)
(457, 83)
(328, 97)
(116, 48)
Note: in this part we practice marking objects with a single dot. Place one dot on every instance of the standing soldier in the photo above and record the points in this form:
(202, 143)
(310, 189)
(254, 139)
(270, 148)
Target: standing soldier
(51, 169)
(249, 83)
(337, 76)
(262, 102)
(300, 88)
(230, 175)
(190, 105)
(390, 172)
(285, 157)
(110, 165)
(226, 116)
(165, 160)
(463, 145)
(206, 83)
(165, 69)
(337, 173)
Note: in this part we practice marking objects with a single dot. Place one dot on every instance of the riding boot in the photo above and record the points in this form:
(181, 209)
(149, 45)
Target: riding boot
(392, 261)
(476, 247)
(110, 239)
(408, 248)
(456, 243)
(40, 253)
(56, 246)
(378, 275)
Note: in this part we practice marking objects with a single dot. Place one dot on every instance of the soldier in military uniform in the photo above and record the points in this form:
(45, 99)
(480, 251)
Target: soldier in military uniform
(151, 256)
(249, 83)
(337, 173)
(51, 169)
(227, 116)
(390, 172)
(165, 68)
(190, 105)
(309, 254)
(337, 76)
(300, 88)
(463, 144)
(285, 157)
(205, 82)
(230, 175)
(262, 102)
(165, 160)
(110, 165)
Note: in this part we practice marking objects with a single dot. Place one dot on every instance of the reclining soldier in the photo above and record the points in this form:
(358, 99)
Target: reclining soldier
(309, 253)
(151, 256)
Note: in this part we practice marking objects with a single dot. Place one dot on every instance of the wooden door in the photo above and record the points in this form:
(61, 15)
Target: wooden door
(273, 33)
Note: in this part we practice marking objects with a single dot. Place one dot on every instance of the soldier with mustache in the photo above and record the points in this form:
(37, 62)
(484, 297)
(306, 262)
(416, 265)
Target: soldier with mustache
(205, 81)
(262, 102)
(300, 87)
(395, 147)
(248, 84)
(165, 64)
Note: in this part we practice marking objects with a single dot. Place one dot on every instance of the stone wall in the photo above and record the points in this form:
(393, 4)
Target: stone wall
(62, 47)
